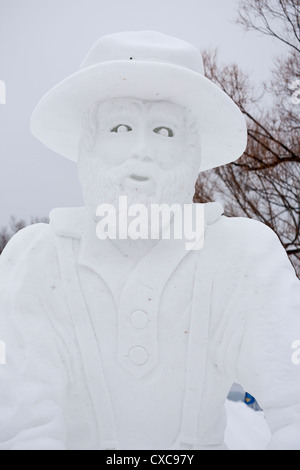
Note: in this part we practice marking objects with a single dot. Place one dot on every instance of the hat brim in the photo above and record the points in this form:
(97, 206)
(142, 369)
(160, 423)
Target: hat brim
(57, 119)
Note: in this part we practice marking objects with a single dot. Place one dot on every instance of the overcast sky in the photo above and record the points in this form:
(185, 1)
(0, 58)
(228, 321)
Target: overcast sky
(44, 41)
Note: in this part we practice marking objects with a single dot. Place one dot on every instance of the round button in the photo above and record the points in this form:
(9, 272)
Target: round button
(139, 319)
(138, 355)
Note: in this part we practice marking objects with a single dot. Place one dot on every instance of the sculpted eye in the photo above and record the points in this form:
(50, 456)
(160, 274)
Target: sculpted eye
(121, 128)
(164, 131)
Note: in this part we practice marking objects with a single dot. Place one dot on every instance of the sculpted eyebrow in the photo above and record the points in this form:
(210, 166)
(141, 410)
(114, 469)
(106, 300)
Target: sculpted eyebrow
(123, 110)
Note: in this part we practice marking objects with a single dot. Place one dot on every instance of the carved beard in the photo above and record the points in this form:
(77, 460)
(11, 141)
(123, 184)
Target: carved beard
(104, 185)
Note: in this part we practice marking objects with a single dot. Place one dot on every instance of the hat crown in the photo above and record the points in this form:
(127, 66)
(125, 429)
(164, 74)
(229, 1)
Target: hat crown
(149, 46)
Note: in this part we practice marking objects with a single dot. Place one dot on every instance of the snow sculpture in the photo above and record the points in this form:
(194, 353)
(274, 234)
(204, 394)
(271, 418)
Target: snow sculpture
(134, 344)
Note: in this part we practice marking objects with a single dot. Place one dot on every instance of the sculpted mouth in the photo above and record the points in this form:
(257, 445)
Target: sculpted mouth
(139, 178)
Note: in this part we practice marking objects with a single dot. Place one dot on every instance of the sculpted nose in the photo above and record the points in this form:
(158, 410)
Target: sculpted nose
(142, 151)
(142, 156)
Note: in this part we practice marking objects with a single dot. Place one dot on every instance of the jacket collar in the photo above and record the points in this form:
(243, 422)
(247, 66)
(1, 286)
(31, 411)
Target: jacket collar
(98, 255)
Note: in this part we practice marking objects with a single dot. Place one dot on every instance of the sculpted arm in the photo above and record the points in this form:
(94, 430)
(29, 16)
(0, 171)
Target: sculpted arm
(271, 306)
(33, 381)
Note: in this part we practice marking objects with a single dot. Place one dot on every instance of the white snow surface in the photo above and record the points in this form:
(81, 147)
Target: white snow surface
(246, 429)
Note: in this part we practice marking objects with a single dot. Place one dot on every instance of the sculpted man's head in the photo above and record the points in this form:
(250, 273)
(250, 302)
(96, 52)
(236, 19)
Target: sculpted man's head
(141, 120)
(146, 150)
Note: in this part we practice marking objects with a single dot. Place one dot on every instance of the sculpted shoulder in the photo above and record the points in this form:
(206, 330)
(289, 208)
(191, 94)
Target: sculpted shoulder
(26, 241)
(246, 237)
(244, 227)
(34, 246)
(24, 260)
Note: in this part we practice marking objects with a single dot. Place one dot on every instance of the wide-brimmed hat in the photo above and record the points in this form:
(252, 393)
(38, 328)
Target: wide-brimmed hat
(143, 65)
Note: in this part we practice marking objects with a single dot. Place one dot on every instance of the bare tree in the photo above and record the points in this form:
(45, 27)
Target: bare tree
(265, 183)
(277, 18)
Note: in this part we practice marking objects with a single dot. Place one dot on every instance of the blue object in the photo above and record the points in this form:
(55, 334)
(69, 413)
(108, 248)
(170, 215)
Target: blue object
(249, 399)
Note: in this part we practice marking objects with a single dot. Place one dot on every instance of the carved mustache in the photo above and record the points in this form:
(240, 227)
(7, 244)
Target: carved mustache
(137, 171)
